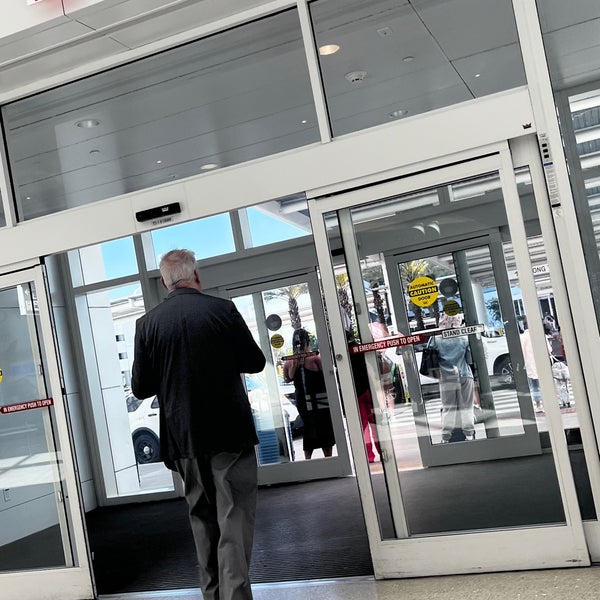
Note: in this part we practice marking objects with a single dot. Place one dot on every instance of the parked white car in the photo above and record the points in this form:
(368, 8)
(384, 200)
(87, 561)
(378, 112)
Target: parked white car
(143, 422)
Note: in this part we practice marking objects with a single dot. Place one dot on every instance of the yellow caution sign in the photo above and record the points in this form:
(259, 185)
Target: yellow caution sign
(423, 291)
(451, 308)
(0, 375)
(277, 341)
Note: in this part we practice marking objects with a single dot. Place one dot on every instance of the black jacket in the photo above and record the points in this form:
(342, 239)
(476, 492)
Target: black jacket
(190, 351)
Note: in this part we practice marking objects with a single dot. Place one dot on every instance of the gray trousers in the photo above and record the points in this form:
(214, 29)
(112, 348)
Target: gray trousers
(457, 394)
(221, 492)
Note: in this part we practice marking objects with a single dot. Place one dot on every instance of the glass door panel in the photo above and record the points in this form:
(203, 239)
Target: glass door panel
(296, 420)
(30, 472)
(40, 524)
(460, 458)
(467, 294)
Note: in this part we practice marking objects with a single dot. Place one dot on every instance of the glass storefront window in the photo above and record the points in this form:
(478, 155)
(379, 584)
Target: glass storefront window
(102, 262)
(268, 228)
(211, 236)
(386, 60)
(232, 97)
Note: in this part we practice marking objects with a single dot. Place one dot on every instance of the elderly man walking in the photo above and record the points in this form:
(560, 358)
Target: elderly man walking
(191, 351)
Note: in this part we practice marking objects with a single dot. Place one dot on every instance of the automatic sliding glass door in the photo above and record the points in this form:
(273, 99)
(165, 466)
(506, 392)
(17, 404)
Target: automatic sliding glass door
(425, 258)
(42, 543)
(296, 410)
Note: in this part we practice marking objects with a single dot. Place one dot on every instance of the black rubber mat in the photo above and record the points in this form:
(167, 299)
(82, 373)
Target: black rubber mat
(316, 530)
(313, 530)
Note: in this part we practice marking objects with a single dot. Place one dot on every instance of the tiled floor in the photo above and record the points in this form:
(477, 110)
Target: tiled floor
(558, 584)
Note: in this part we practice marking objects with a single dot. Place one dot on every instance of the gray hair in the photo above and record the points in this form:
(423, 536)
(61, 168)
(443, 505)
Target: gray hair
(176, 266)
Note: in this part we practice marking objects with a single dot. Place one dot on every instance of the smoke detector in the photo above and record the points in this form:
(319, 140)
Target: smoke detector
(355, 76)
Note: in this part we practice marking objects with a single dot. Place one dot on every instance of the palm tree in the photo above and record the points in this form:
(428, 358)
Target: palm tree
(343, 285)
(290, 293)
(378, 302)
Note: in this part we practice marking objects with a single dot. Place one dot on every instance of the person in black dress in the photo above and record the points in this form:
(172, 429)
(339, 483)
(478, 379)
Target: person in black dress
(312, 403)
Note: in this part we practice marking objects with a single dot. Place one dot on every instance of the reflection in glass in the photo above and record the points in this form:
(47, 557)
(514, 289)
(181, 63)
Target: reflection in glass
(232, 97)
(33, 531)
(386, 60)
(282, 405)
(474, 283)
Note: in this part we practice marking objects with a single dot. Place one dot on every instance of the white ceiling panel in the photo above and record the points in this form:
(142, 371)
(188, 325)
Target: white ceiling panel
(498, 69)
(467, 27)
(557, 14)
(414, 106)
(240, 90)
(59, 194)
(242, 47)
(334, 16)
(574, 54)
(368, 96)
(362, 48)
(140, 127)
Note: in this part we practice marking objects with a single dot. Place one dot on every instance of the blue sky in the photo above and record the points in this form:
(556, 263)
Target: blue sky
(211, 236)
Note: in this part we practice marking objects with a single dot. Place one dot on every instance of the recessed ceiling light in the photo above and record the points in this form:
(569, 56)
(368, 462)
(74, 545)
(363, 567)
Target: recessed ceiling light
(304, 121)
(397, 114)
(159, 162)
(94, 151)
(408, 59)
(28, 198)
(328, 49)
(209, 166)
(355, 76)
(477, 74)
(88, 123)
